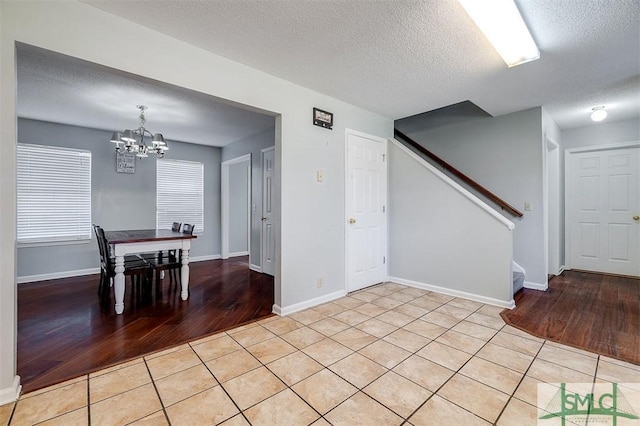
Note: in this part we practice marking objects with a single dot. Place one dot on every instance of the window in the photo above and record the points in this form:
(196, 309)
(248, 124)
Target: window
(54, 194)
(179, 193)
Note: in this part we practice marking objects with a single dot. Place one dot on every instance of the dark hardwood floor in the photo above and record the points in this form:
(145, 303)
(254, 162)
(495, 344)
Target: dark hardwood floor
(598, 313)
(64, 331)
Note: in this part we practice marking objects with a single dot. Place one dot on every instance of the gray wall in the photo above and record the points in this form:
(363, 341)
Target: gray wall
(119, 200)
(503, 154)
(239, 207)
(253, 145)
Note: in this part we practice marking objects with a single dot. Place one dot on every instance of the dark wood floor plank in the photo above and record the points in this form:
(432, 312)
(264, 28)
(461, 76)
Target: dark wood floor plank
(64, 331)
(596, 312)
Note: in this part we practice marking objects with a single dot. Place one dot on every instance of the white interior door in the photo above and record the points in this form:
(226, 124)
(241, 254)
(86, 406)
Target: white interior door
(268, 236)
(603, 203)
(366, 199)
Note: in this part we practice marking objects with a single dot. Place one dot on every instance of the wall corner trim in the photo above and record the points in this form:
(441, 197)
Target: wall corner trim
(536, 286)
(475, 297)
(11, 393)
(287, 310)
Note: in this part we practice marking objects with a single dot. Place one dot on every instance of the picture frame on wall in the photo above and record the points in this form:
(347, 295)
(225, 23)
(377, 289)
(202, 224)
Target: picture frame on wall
(323, 118)
(125, 163)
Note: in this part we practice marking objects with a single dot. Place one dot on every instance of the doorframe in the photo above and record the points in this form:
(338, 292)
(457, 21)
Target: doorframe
(274, 218)
(385, 142)
(551, 210)
(568, 195)
(224, 204)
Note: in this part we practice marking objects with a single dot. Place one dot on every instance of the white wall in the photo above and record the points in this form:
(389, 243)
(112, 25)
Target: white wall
(439, 236)
(311, 236)
(603, 133)
(505, 155)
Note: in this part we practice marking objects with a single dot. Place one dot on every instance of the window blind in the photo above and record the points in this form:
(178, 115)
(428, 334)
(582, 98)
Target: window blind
(180, 189)
(54, 194)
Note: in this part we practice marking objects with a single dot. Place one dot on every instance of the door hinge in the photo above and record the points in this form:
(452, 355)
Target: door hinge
(384, 209)
(383, 157)
(384, 259)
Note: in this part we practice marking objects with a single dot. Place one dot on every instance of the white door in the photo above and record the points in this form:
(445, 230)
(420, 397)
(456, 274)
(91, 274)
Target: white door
(366, 199)
(603, 203)
(268, 236)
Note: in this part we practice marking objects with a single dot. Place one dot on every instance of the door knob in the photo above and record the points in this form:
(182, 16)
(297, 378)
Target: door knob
(352, 221)
(263, 218)
(636, 218)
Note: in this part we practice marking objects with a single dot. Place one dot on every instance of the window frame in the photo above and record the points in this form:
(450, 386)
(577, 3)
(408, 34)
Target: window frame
(34, 164)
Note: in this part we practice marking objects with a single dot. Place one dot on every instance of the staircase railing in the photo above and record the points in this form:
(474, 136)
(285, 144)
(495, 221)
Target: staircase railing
(466, 179)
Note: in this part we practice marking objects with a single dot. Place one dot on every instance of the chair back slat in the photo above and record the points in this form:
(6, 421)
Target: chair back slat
(176, 226)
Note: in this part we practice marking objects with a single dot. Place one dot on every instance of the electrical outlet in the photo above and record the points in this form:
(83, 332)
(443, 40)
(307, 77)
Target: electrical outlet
(319, 282)
(320, 176)
(527, 206)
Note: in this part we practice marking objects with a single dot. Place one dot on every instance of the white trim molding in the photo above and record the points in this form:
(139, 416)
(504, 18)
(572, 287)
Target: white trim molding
(11, 393)
(239, 253)
(536, 286)
(457, 293)
(224, 201)
(91, 271)
(57, 275)
(255, 268)
(446, 179)
(288, 310)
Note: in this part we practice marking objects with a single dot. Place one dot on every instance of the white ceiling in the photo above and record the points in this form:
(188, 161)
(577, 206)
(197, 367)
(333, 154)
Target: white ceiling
(400, 58)
(62, 89)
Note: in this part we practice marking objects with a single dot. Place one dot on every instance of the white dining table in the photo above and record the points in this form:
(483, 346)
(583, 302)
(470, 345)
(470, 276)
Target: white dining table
(147, 240)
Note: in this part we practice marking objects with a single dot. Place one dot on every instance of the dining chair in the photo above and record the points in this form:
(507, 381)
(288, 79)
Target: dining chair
(137, 269)
(170, 262)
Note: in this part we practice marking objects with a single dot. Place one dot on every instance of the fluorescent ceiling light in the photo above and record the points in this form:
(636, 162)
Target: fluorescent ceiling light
(502, 24)
(598, 114)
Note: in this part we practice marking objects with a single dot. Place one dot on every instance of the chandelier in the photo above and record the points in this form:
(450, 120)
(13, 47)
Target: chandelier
(133, 141)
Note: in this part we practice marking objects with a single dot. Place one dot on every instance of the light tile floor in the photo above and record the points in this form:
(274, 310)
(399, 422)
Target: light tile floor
(386, 355)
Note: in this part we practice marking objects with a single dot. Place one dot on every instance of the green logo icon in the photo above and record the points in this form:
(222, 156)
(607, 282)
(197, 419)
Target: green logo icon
(604, 401)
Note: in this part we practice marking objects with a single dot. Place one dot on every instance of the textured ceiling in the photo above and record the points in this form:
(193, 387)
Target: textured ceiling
(396, 58)
(61, 89)
(400, 58)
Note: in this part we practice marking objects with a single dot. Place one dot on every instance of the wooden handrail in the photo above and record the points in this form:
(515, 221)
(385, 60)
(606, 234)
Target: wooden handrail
(466, 179)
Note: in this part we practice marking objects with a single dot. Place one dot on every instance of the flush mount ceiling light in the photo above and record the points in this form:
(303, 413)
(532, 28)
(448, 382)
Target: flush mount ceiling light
(599, 113)
(502, 24)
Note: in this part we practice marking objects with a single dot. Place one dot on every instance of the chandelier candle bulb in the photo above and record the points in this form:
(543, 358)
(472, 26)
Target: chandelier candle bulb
(133, 141)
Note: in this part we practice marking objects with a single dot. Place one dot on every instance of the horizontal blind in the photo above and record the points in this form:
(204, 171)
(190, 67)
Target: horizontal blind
(180, 189)
(54, 194)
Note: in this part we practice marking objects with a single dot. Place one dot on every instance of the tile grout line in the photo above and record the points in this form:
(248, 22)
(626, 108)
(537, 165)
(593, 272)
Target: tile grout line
(153, 382)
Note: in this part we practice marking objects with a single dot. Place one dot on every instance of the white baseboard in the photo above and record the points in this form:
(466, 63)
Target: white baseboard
(56, 275)
(255, 267)
(288, 310)
(11, 393)
(536, 286)
(204, 258)
(239, 253)
(457, 293)
(562, 269)
(90, 271)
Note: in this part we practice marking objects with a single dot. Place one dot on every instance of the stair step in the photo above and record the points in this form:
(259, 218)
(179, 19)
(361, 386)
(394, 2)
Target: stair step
(518, 281)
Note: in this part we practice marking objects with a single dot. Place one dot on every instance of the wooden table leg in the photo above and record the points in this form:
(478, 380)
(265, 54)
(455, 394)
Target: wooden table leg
(184, 277)
(118, 284)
